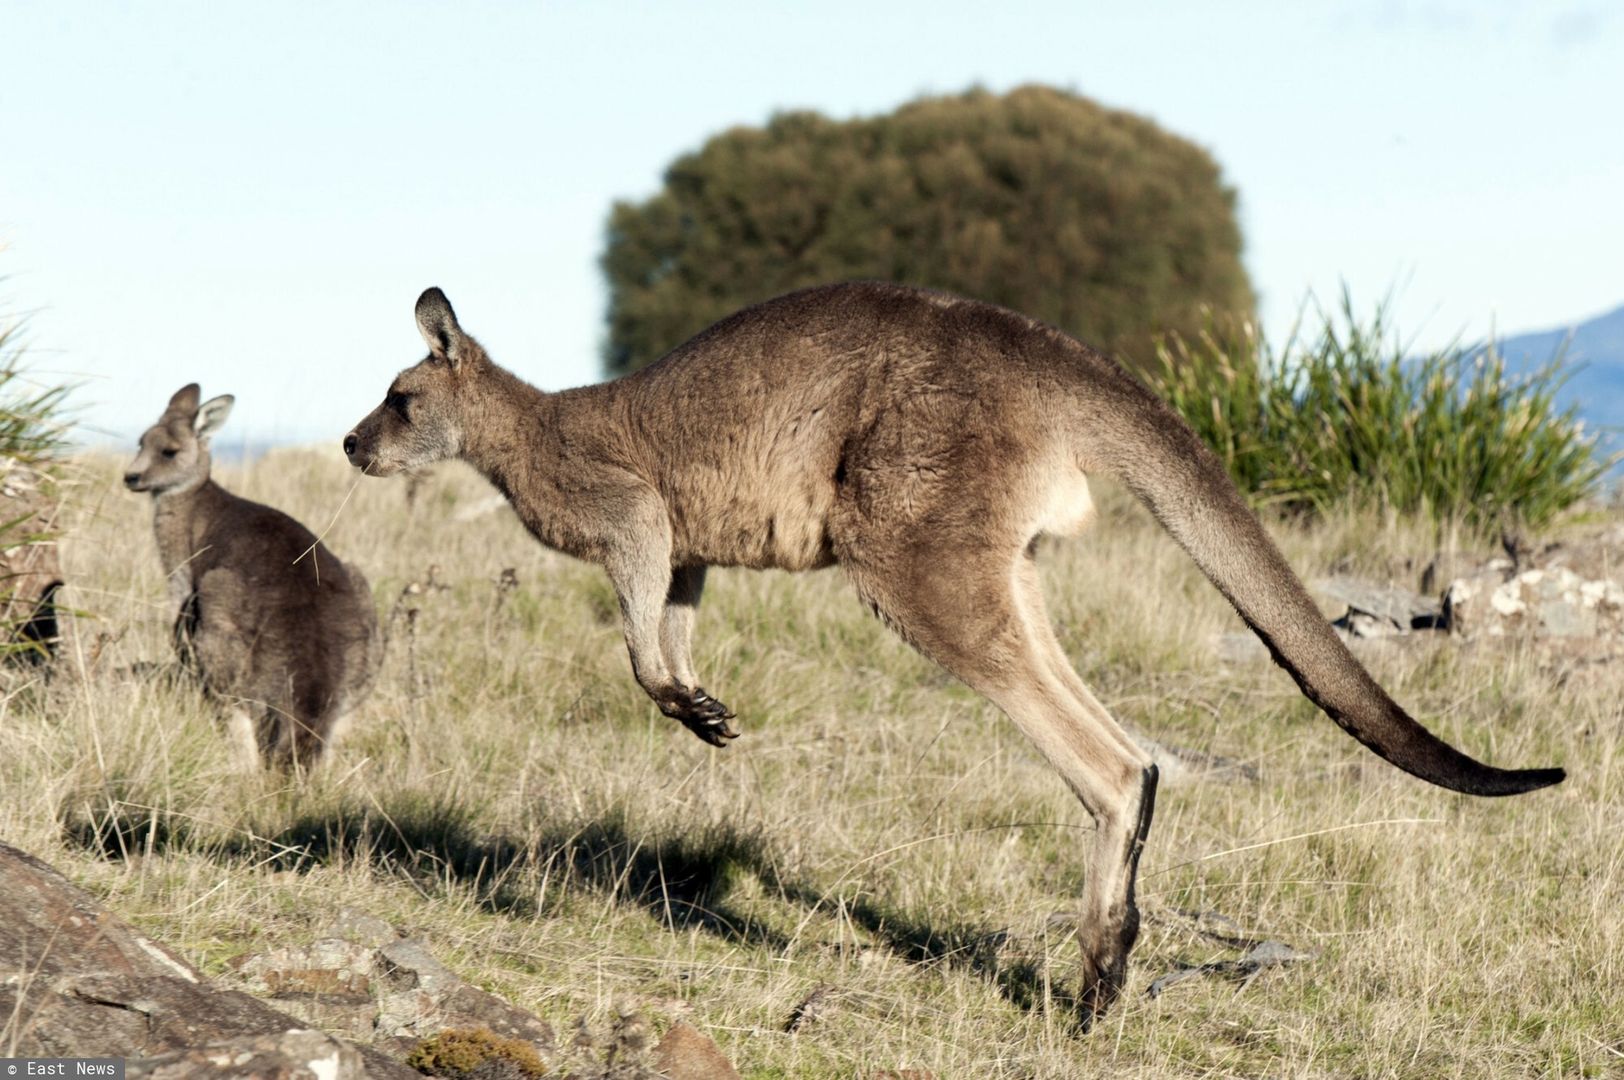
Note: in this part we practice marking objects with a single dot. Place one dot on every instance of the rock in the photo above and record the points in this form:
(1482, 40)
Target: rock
(408, 965)
(686, 1053)
(421, 996)
(1380, 610)
(77, 982)
(1372, 615)
(394, 996)
(328, 984)
(1468, 607)
(130, 1015)
(361, 928)
(48, 927)
(1545, 603)
(287, 1055)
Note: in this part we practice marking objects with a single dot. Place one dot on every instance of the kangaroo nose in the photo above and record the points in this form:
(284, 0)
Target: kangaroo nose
(349, 444)
(131, 479)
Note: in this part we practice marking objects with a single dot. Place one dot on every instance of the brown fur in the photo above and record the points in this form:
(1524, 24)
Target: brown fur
(267, 617)
(922, 442)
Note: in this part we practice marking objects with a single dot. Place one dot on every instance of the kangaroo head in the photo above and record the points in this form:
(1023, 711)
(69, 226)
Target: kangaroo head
(173, 454)
(421, 418)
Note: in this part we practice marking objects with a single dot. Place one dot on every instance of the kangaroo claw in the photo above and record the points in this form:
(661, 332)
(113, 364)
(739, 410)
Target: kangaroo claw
(704, 716)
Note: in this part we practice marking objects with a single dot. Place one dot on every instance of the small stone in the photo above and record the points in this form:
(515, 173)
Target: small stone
(1507, 599)
(360, 928)
(409, 965)
(686, 1053)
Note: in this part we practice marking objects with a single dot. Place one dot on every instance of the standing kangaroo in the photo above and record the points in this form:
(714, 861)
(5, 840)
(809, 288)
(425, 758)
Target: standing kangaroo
(267, 617)
(923, 442)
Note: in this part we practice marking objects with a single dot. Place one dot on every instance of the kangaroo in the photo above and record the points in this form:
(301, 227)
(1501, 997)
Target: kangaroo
(267, 618)
(923, 442)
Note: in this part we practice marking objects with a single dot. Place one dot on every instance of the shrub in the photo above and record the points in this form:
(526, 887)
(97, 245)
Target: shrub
(1092, 219)
(1348, 415)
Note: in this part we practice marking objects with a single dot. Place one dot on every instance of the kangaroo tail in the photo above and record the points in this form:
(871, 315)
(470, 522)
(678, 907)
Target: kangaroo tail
(1166, 465)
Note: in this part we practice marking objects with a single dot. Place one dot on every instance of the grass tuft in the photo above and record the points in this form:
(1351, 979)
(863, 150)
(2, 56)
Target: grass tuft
(1348, 416)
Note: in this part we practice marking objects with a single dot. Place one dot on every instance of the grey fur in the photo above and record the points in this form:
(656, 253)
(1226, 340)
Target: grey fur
(922, 442)
(268, 618)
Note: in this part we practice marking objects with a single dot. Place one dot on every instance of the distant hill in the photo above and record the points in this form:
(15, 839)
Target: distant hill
(1596, 348)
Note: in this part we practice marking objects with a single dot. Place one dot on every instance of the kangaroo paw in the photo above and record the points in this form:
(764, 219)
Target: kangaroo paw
(1105, 969)
(703, 715)
(1100, 990)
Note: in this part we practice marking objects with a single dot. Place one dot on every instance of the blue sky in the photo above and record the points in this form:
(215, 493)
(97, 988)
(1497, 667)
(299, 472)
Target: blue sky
(253, 196)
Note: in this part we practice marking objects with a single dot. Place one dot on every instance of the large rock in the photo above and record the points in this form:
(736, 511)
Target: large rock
(363, 980)
(326, 984)
(1379, 610)
(77, 982)
(288, 1055)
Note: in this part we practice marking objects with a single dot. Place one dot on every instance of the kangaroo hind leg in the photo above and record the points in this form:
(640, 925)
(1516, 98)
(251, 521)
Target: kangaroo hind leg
(973, 614)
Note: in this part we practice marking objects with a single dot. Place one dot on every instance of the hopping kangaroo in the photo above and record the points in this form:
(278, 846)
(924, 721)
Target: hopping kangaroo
(923, 442)
(269, 620)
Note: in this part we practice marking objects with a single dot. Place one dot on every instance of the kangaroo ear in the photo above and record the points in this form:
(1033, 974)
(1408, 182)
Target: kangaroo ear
(212, 414)
(185, 399)
(438, 325)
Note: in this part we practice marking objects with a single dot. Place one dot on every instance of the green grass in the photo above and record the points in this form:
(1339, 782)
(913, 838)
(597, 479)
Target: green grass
(877, 829)
(32, 433)
(32, 423)
(1349, 416)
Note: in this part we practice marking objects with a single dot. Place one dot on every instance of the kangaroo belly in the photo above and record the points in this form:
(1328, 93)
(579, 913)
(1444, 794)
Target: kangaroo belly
(783, 529)
(757, 494)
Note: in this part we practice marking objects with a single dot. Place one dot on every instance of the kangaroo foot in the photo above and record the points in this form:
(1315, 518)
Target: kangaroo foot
(1105, 970)
(702, 714)
(1101, 987)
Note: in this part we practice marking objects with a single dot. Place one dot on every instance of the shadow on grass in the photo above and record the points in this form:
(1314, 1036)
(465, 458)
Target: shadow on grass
(1022, 980)
(684, 879)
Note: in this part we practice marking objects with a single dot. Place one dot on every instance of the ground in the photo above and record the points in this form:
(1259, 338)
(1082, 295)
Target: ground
(880, 841)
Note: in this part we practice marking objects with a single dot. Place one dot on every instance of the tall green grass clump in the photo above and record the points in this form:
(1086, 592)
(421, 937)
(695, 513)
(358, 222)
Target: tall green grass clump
(1347, 415)
(32, 435)
(32, 426)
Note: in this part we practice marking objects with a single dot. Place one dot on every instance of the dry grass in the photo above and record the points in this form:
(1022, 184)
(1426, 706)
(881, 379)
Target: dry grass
(880, 832)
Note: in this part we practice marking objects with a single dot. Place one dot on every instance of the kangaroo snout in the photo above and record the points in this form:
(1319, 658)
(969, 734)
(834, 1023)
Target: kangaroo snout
(132, 480)
(361, 457)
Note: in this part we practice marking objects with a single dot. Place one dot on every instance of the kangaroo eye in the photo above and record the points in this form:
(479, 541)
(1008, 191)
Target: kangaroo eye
(397, 402)
(169, 452)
